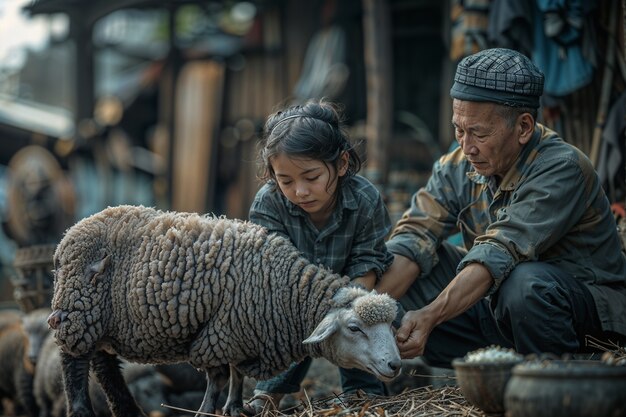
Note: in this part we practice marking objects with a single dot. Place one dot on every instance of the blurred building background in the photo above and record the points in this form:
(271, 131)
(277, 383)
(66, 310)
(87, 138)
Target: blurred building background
(161, 102)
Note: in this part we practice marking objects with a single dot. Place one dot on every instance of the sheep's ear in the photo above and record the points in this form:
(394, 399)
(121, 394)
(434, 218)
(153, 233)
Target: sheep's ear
(97, 268)
(327, 327)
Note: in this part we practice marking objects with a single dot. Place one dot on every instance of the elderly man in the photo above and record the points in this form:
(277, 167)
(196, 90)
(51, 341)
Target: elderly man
(542, 265)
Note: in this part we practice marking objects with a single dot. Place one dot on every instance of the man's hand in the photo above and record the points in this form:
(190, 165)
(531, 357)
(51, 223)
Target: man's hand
(463, 291)
(412, 335)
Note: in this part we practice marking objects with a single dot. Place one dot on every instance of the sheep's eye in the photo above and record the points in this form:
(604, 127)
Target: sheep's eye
(354, 328)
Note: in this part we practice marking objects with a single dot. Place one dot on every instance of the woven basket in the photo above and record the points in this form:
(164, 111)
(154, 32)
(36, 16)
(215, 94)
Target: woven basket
(34, 282)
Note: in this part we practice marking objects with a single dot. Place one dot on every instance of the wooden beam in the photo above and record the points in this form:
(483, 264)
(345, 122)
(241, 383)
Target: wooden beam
(607, 84)
(378, 74)
(84, 68)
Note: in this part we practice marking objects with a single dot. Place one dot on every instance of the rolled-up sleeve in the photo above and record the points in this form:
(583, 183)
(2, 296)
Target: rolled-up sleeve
(420, 250)
(432, 215)
(497, 260)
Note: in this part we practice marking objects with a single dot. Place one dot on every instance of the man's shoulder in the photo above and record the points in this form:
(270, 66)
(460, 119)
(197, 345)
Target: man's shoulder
(452, 165)
(553, 153)
(551, 146)
(454, 158)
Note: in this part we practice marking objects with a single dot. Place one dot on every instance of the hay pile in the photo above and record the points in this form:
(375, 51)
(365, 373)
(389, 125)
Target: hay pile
(446, 401)
(614, 354)
(424, 401)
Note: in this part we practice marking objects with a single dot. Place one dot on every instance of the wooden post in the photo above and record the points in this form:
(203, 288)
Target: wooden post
(607, 83)
(624, 28)
(84, 67)
(167, 107)
(378, 75)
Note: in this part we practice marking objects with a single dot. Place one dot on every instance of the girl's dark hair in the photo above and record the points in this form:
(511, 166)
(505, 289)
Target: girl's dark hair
(313, 130)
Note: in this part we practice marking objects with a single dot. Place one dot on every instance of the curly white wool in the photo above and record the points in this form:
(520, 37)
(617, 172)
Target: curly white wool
(375, 308)
(493, 353)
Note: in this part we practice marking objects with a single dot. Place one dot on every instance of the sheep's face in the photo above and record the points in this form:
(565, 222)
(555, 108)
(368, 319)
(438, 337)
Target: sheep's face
(36, 330)
(81, 301)
(360, 335)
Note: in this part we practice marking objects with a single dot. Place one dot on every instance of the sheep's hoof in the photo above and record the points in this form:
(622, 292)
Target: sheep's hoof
(261, 402)
(249, 410)
(233, 409)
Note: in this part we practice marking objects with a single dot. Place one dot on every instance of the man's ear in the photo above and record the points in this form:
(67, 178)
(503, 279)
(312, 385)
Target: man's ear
(526, 128)
(327, 327)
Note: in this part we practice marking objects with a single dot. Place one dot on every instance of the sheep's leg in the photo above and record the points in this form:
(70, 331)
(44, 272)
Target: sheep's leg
(216, 379)
(44, 410)
(76, 381)
(25, 393)
(234, 402)
(58, 408)
(106, 367)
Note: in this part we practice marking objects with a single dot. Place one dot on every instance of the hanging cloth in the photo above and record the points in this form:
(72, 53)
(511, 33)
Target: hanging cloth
(470, 20)
(511, 25)
(560, 38)
(324, 71)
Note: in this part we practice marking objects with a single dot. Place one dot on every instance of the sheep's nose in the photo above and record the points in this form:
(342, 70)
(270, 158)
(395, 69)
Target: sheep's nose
(395, 365)
(56, 318)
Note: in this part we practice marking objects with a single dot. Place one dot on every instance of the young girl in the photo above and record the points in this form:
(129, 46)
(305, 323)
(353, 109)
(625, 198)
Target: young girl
(336, 218)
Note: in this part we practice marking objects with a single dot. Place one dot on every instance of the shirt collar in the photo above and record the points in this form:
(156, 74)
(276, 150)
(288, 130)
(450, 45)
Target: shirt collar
(348, 199)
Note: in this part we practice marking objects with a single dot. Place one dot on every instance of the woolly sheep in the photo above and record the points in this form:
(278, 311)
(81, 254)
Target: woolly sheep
(222, 294)
(48, 385)
(11, 348)
(36, 329)
(16, 367)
